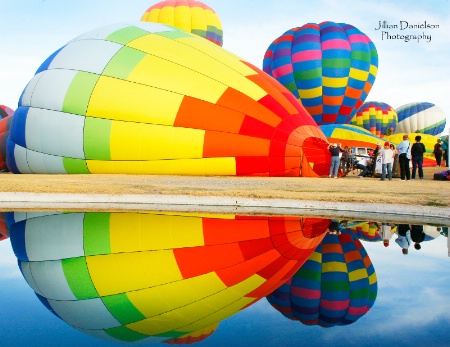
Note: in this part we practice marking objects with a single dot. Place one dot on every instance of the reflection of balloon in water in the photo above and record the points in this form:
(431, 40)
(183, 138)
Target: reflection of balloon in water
(420, 117)
(330, 67)
(4, 227)
(5, 125)
(154, 277)
(194, 337)
(336, 286)
(5, 111)
(366, 231)
(189, 15)
(377, 117)
(152, 99)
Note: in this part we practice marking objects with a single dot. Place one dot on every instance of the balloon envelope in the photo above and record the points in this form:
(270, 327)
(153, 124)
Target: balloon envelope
(377, 117)
(420, 117)
(190, 15)
(5, 111)
(144, 277)
(330, 67)
(153, 99)
(5, 125)
(336, 286)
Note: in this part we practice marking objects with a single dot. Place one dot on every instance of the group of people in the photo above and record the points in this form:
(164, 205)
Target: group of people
(405, 151)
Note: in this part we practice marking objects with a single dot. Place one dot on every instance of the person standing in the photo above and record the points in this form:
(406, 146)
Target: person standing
(335, 150)
(387, 160)
(404, 155)
(386, 233)
(403, 237)
(417, 151)
(438, 152)
(445, 150)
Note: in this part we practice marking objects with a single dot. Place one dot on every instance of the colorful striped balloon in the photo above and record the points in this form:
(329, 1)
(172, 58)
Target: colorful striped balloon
(153, 99)
(5, 111)
(377, 117)
(336, 286)
(350, 135)
(5, 125)
(366, 231)
(329, 67)
(190, 15)
(149, 277)
(421, 117)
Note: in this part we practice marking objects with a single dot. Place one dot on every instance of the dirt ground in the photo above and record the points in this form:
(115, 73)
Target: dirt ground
(427, 192)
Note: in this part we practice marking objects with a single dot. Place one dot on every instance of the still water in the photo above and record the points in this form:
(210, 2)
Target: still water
(106, 279)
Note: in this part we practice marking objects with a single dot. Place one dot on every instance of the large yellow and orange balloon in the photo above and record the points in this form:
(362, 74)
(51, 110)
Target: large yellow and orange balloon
(146, 98)
(190, 15)
(144, 277)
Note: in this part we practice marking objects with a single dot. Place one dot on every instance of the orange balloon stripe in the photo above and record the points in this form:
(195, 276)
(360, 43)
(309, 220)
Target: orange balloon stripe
(219, 231)
(199, 114)
(196, 261)
(234, 99)
(236, 145)
(255, 128)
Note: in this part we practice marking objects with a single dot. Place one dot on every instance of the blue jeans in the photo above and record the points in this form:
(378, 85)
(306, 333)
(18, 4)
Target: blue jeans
(363, 169)
(417, 162)
(387, 166)
(335, 162)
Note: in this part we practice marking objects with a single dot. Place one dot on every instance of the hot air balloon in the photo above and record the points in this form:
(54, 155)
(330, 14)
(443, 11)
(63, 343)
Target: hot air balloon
(420, 117)
(5, 111)
(5, 125)
(190, 15)
(350, 135)
(153, 99)
(194, 337)
(330, 67)
(4, 227)
(146, 277)
(377, 117)
(336, 286)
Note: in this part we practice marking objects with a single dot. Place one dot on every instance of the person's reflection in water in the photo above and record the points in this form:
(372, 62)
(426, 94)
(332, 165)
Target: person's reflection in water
(386, 233)
(334, 227)
(417, 235)
(404, 237)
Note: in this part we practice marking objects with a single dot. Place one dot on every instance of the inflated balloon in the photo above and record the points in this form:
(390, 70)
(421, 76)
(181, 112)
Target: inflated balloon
(190, 15)
(4, 227)
(145, 277)
(5, 111)
(5, 125)
(350, 135)
(153, 99)
(420, 117)
(377, 117)
(330, 67)
(336, 286)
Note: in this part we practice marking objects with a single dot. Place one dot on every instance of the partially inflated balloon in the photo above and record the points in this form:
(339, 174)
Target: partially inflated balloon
(377, 117)
(350, 135)
(330, 67)
(153, 99)
(421, 117)
(190, 15)
(336, 286)
(144, 277)
(5, 111)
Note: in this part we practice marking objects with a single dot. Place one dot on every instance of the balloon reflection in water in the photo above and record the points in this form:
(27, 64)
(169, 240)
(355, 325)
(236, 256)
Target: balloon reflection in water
(366, 231)
(4, 227)
(146, 277)
(336, 286)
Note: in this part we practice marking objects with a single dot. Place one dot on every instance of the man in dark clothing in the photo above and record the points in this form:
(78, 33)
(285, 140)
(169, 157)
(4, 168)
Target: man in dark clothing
(417, 235)
(417, 151)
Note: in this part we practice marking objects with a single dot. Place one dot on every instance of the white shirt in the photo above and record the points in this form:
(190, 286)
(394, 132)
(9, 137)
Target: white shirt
(387, 156)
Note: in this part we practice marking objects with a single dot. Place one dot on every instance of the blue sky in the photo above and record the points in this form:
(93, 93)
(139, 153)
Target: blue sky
(408, 71)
